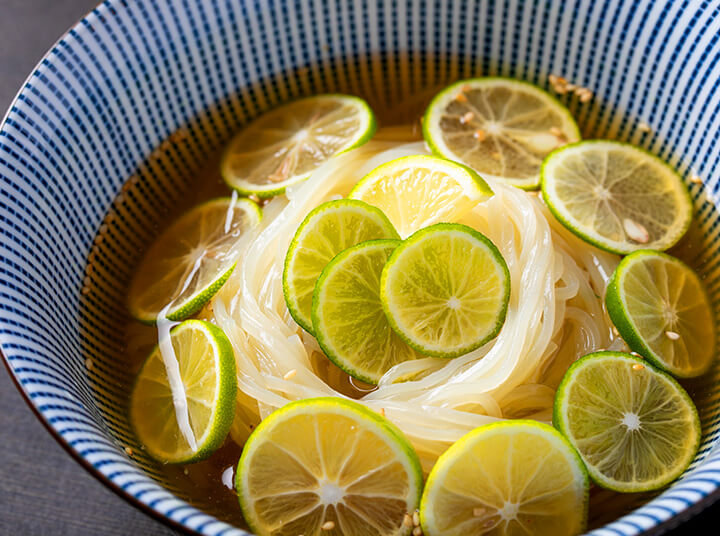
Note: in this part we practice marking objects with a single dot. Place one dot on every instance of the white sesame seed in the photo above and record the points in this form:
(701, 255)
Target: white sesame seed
(478, 512)
(185, 470)
(460, 97)
(88, 363)
(479, 135)
(615, 331)
(638, 366)
(636, 231)
(407, 520)
(672, 335)
(382, 412)
(328, 525)
(585, 97)
(635, 354)
(553, 79)
(416, 518)
(417, 531)
(643, 127)
(128, 451)
(695, 179)
(467, 117)
(290, 374)
(555, 131)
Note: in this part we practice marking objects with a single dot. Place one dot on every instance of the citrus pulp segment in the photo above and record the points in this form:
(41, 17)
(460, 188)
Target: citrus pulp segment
(502, 128)
(284, 145)
(326, 231)
(635, 428)
(445, 290)
(189, 262)
(328, 466)
(417, 191)
(616, 196)
(348, 316)
(207, 368)
(507, 479)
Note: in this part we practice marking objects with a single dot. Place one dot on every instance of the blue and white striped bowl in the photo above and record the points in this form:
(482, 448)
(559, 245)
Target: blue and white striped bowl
(98, 106)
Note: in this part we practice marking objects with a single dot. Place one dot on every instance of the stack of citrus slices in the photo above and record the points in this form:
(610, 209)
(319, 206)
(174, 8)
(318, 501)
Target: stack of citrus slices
(383, 276)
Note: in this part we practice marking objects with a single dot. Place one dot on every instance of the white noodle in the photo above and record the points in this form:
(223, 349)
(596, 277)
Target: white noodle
(555, 315)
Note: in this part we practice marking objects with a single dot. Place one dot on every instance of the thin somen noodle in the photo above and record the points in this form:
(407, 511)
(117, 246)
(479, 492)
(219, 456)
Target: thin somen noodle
(555, 315)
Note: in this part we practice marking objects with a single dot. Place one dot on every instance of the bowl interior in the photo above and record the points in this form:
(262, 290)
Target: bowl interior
(131, 105)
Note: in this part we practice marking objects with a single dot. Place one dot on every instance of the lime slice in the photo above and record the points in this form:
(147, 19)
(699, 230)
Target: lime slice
(507, 478)
(616, 196)
(328, 466)
(329, 229)
(502, 128)
(661, 309)
(190, 261)
(635, 428)
(207, 368)
(417, 191)
(286, 144)
(348, 317)
(445, 290)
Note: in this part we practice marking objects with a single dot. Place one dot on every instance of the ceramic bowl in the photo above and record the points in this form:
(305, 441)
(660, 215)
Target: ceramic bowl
(84, 139)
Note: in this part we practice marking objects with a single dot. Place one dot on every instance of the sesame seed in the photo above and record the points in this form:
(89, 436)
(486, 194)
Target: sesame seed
(88, 363)
(636, 231)
(466, 88)
(460, 97)
(407, 520)
(417, 531)
(254, 198)
(479, 135)
(643, 127)
(467, 117)
(695, 179)
(290, 374)
(495, 155)
(555, 131)
(128, 451)
(570, 87)
(86, 281)
(553, 79)
(672, 335)
(185, 470)
(561, 80)
(638, 366)
(99, 238)
(635, 354)
(585, 97)
(478, 512)
(416, 518)
(382, 412)
(328, 525)
(615, 331)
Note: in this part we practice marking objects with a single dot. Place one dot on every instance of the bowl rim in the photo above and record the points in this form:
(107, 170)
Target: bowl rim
(115, 8)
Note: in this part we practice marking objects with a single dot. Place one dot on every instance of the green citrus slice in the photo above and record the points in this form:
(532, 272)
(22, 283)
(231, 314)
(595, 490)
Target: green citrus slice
(326, 231)
(328, 466)
(616, 196)
(660, 307)
(283, 146)
(189, 262)
(635, 428)
(508, 478)
(445, 290)
(348, 317)
(207, 369)
(417, 191)
(500, 127)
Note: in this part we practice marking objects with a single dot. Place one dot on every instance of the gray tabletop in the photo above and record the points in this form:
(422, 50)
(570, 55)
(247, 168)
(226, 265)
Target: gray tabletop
(43, 491)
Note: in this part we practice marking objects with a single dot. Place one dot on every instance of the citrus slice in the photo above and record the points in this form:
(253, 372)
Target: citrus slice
(507, 478)
(207, 369)
(348, 317)
(326, 231)
(286, 144)
(616, 196)
(417, 191)
(635, 428)
(500, 127)
(660, 307)
(445, 290)
(189, 262)
(328, 466)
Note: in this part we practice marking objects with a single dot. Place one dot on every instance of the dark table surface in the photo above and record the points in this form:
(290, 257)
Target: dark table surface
(43, 491)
